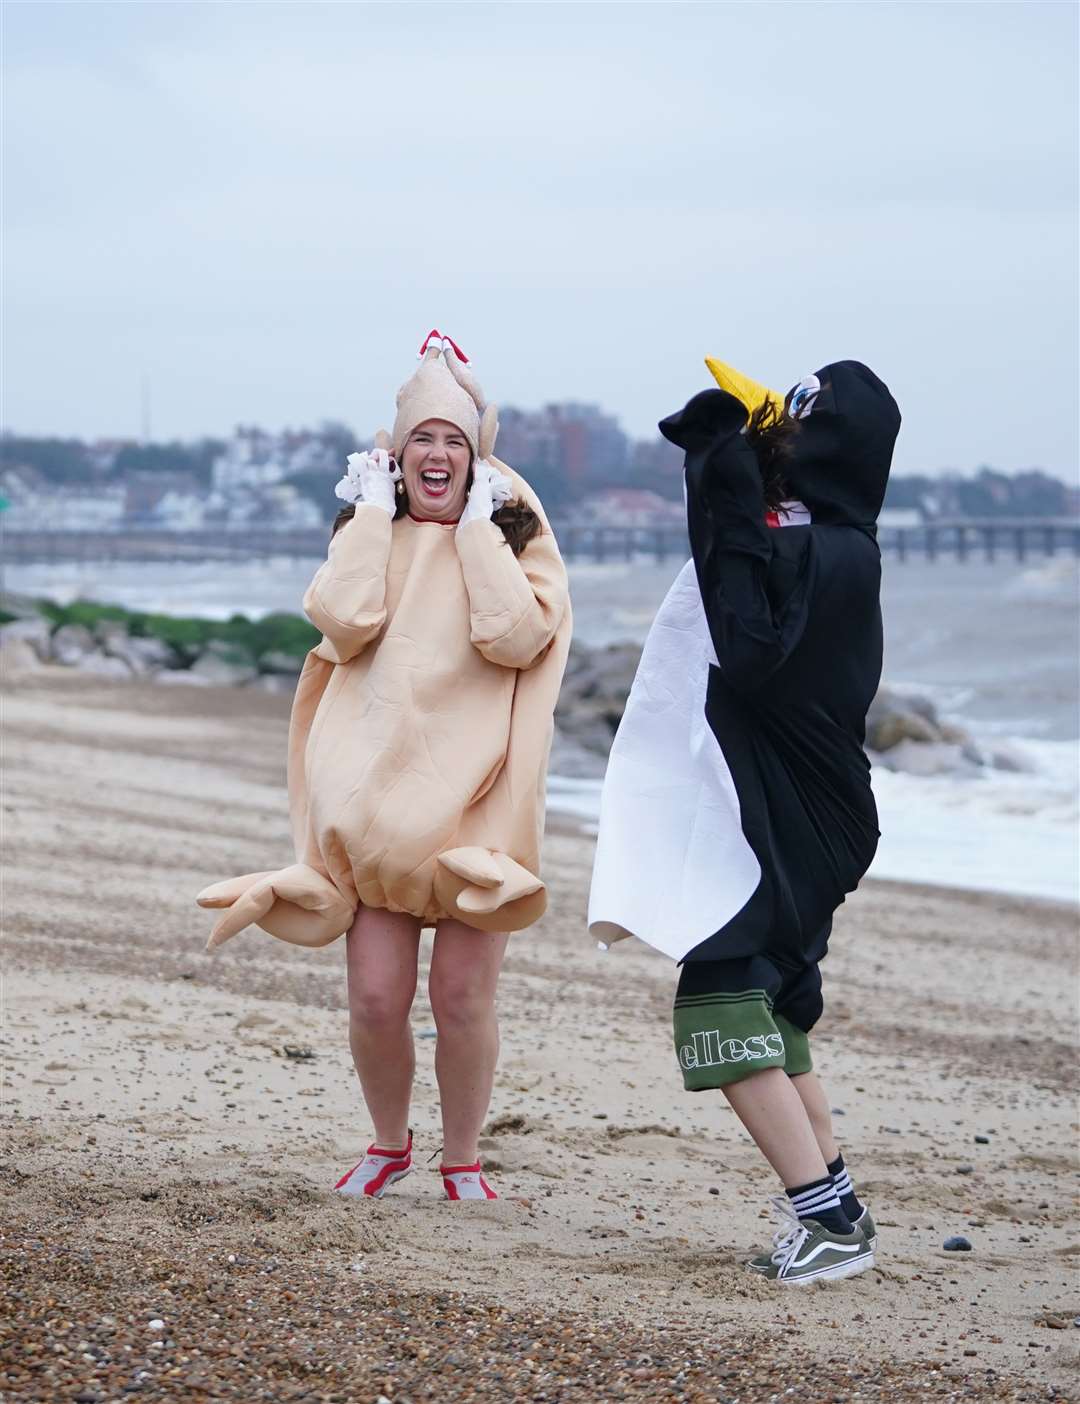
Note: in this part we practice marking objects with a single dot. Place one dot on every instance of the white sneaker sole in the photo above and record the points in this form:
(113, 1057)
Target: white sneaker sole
(390, 1180)
(834, 1273)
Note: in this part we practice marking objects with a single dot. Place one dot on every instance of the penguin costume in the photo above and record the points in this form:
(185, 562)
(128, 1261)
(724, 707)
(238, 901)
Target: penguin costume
(737, 811)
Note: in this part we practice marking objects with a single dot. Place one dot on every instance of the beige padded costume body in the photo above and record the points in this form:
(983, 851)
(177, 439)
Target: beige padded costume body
(420, 731)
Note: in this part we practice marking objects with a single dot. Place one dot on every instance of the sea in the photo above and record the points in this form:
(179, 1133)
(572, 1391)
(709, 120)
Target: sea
(995, 645)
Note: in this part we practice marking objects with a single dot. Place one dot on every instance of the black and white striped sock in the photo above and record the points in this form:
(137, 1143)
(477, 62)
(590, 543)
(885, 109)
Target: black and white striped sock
(819, 1200)
(844, 1188)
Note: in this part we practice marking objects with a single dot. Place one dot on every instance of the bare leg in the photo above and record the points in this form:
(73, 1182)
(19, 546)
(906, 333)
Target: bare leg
(381, 950)
(812, 1096)
(465, 966)
(772, 1111)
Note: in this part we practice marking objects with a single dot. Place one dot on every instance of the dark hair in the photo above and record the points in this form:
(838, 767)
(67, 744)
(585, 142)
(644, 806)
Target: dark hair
(771, 434)
(517, 520)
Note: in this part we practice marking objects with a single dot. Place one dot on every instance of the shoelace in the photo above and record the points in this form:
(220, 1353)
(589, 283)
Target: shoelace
(789, 1235)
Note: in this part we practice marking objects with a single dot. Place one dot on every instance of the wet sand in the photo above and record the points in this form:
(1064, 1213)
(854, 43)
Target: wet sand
(167, 1160)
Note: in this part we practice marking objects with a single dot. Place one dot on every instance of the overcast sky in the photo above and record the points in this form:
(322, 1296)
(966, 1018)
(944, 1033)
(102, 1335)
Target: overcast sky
(262, 209)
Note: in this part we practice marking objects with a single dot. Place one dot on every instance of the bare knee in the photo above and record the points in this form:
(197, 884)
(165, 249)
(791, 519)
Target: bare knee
(458, 1003)
(381, 962)
(379, 1009)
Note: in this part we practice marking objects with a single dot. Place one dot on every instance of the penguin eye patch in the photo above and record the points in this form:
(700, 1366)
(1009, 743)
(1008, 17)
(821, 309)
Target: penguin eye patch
(802, 398)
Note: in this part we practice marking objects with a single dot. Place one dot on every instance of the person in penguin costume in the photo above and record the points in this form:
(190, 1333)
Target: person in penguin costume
(737, 812)
(418, 748)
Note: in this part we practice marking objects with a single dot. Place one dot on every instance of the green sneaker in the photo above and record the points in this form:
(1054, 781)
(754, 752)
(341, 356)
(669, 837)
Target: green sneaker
(805, 1251)
(869, 1229)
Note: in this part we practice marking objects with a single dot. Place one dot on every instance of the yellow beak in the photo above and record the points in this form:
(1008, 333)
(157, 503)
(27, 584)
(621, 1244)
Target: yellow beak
(742, 387)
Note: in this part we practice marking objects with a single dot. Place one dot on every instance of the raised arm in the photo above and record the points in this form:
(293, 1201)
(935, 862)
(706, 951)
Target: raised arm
(731, 543)
(347, 598)
(516, 603)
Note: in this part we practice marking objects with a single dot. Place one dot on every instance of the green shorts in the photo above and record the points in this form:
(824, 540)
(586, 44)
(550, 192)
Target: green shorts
(738, 1017)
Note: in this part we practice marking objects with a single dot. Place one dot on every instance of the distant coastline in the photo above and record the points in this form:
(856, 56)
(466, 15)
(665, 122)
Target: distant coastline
(576, 456)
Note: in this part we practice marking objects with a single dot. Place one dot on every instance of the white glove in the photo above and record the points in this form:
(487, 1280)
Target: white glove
(370, 478)
(490, 490)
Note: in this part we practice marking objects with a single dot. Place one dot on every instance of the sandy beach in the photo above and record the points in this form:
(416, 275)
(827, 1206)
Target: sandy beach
(173, 1122)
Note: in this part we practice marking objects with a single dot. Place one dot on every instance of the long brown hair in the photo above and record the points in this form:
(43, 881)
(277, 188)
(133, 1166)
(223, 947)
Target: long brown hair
(770, 433)
(516, 519)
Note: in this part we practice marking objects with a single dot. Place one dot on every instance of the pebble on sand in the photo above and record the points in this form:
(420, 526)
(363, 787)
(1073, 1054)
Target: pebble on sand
(957, 1244)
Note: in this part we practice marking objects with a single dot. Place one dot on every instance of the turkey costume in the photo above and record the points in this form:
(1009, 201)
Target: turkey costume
(737, 811)
(422, 722)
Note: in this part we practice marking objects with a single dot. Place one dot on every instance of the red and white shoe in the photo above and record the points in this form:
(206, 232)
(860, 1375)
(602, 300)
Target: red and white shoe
(378, 1170)
(465, 1182)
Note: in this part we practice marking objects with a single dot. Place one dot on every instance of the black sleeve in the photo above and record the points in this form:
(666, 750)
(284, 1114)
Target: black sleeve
(753, 627)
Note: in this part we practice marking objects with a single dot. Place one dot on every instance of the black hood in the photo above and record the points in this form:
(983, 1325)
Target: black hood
(848, 423)
(841, 455)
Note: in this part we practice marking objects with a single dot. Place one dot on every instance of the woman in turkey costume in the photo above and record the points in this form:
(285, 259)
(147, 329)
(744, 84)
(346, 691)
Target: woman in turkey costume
(737, 811)
(418, 748)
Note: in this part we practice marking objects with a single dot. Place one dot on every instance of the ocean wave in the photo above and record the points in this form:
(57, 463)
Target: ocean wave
(989, 830)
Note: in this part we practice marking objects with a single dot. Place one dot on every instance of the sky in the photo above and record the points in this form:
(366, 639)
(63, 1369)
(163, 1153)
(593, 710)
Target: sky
(257, 211)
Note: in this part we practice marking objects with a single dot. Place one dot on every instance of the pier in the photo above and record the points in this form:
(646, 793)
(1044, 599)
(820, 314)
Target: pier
(1017, 538)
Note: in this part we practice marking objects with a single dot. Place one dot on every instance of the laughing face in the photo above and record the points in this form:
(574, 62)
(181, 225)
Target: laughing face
(435, 467)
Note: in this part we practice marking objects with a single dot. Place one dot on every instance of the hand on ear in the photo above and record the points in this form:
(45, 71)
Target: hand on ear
(490, 490)
(370, 477)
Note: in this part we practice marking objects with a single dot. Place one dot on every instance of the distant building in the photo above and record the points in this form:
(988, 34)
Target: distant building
(579, 441)
(146, 492)
(630, 507)
(254, 458)
(248, 481)
(102, 453)
(659, 459)
(250, 460)
(180, 511)
(576, 456)
(35, 504)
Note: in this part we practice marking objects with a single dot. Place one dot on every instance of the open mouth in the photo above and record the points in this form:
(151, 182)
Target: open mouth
(435, 482)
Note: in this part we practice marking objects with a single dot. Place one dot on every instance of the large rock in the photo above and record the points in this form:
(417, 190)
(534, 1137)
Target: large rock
(929, 758)
(573, 761)
(104, 666)
(904, 732)
(148, 655)
(182, 677)
(142, 656)
(19, 606)
(278, 683)
(71, 644)
(277, 662)
(900, 716)
(108, 631)
(594, 693)
(225, 665)
(591, 723)
(903, 728)
(35, 631)
(17, 657)
(600, 672)
(889, 729)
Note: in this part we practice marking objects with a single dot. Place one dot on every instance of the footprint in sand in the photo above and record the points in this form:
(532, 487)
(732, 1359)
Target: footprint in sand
(265, 1031)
